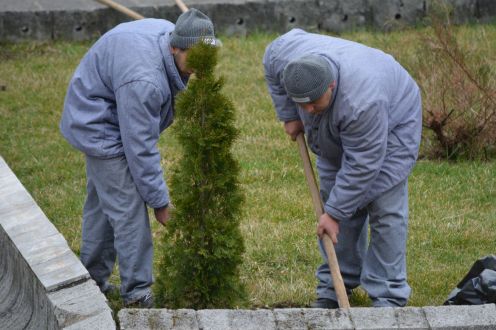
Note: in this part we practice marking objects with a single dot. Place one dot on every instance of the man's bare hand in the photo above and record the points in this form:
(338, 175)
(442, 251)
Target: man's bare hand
(329, 226)
(293, 128)
(162, 215)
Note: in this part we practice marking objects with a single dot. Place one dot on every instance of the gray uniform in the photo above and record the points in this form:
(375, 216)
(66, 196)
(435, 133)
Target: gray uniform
(118, 102)
(366, 144)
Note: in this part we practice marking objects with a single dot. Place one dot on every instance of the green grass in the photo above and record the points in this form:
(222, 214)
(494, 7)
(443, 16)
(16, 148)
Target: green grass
(452, 208)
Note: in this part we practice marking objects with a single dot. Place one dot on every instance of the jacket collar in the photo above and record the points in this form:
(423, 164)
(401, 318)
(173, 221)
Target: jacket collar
(335, 73)
(178, 83)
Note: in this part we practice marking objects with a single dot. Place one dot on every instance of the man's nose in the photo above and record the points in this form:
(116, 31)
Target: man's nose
(308, 107)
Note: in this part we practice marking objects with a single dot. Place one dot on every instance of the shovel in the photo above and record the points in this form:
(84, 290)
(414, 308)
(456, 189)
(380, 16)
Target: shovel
(131, 13)
(332, 260)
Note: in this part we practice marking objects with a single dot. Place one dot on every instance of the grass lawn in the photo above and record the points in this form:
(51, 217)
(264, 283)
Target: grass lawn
(452, 205)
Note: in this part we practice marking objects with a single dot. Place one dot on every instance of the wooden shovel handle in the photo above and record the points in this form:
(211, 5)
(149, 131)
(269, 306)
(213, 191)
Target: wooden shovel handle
(181, 5)
(131, 13)
(122, 9)
(332, 260)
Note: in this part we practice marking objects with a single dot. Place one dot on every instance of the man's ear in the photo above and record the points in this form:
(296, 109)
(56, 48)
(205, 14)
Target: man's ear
(332, 85)
(174, 50)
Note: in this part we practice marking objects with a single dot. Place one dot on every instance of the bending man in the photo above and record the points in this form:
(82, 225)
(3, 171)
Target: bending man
(361, 113)
(119, 100)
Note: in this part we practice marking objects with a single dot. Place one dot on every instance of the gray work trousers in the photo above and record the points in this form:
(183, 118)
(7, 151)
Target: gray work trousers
(116, 223)
(379, 265)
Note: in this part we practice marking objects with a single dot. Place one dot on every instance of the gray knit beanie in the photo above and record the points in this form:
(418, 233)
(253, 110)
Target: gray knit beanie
(192, 26)
(307, 78)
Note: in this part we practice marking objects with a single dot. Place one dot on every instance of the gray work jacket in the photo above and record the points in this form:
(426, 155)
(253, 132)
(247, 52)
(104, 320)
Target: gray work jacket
(121, 98)
(370, 134)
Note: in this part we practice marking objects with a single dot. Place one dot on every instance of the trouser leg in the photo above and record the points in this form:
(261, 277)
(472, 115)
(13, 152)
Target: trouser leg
(97, 248)
(128, 216)
(350, 250)
(384, 268)
(352, 242)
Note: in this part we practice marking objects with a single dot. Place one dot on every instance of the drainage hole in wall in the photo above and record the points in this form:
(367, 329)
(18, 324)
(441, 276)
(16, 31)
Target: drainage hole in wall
(397, 16)
(78, 28)
(25, 29)
(345, 18)
(291, 19)
(240, 21)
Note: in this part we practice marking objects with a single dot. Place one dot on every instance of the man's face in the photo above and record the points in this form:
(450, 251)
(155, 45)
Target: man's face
(180, 56)
(321, 104)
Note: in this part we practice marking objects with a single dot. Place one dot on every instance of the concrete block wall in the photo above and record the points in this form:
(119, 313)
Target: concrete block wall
(413, 318)
(43, 285)
(85, 19)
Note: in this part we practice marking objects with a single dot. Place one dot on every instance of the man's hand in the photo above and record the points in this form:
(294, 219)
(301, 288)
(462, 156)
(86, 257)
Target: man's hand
(329, 226)
(293, 128)
(162, 214)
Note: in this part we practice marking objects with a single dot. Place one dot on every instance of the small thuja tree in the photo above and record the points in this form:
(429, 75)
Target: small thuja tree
(202, 245)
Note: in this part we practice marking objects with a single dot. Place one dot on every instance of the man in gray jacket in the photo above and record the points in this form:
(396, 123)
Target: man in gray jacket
(119, 100)
(361, 113)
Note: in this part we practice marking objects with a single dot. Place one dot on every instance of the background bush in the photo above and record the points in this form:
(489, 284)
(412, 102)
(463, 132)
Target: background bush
(459, 90)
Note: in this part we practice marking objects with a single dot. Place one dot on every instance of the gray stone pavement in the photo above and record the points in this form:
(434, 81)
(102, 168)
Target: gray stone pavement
(412, 318)
(85, 19)
(43, 285)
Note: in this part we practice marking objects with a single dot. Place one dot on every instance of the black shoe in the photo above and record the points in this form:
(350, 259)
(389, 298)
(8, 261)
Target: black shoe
(325, 303)
(144, 302)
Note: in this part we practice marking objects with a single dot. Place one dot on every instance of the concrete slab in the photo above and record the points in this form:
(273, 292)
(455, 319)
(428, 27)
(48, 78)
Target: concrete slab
(222, 319)
(478, 317)
(60, 272)
(138, 319)
(290, 318)
(102, 321)
(82, 305)
(143, 319)
(373, 318)
(308, 318)
(328, 319)
(184, 319)
(412, 318)
(43, 250)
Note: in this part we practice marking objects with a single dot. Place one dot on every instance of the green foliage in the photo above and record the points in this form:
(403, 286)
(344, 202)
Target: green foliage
(203, 243)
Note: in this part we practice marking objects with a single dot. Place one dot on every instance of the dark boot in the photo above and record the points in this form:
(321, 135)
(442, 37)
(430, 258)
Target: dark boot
(144, 302)
(325, 303)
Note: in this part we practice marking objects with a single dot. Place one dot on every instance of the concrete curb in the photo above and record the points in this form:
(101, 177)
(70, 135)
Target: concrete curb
(43, 285)
(434, 318)
(86, 19)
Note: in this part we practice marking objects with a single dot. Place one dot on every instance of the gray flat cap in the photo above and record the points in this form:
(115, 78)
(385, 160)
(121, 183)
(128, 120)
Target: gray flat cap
(307, 78)
(191, 27)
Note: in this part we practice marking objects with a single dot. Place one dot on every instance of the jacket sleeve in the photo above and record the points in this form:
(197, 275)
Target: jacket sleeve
(286, 109)
(364, 141)
(138, 111)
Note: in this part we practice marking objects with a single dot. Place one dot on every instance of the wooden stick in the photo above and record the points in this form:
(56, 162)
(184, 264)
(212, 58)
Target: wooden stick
(122, 9)
(181, 5)
(332, 260)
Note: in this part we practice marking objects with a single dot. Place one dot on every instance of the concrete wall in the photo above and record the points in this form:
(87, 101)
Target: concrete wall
(84, 19)
(43, 285)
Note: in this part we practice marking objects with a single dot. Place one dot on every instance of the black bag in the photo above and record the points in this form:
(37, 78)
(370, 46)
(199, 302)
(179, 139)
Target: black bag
(478, 286)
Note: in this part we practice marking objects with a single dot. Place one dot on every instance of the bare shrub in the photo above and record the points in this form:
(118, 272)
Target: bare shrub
(459, 94)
